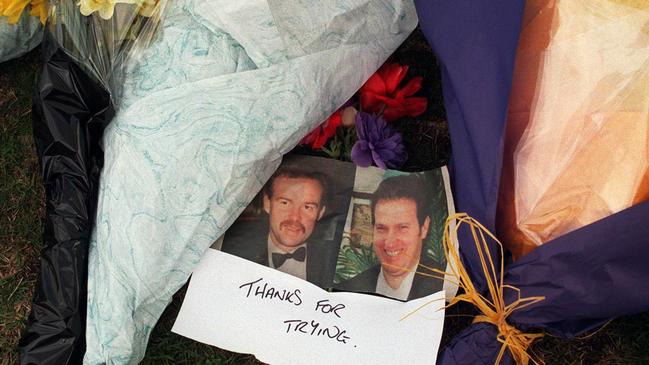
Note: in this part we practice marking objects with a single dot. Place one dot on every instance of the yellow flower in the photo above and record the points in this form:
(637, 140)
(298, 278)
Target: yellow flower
(105, 8)
(12, 9)
(39, 9)
(148, 7)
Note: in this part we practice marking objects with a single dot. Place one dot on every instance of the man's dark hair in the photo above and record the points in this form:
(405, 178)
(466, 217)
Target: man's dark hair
(293, 172)
(404, 187)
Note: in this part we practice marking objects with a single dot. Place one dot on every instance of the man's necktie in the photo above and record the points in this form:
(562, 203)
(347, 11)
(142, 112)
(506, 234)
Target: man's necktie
(298, 255)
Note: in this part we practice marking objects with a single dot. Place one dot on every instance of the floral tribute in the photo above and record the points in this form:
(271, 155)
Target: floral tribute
(360, 130)
(106, 8)
(319, 136)
(377, 143)
(382, 93)
(13, 9)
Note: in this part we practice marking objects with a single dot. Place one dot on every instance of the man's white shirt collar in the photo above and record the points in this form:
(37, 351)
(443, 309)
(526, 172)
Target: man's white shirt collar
(401, 292)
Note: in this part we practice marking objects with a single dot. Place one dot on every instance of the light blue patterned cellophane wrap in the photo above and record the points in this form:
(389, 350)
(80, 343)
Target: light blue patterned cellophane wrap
(20, 38)
(204, 119)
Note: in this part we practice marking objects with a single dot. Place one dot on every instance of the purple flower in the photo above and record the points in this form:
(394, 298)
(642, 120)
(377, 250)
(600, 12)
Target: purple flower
(377, 143)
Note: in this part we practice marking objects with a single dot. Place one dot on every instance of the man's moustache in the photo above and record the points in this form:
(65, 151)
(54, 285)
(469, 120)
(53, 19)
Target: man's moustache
(293, 225)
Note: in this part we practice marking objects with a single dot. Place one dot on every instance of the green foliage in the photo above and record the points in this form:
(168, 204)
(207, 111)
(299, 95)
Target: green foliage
(435, 249)
(353, 260)
(340, 145)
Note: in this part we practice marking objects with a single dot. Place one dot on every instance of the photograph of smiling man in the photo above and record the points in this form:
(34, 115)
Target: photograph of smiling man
(406, 219)
(295, 223)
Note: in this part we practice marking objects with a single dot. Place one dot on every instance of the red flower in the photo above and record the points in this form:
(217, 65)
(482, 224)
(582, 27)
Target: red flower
(380, 93)
(317, 138)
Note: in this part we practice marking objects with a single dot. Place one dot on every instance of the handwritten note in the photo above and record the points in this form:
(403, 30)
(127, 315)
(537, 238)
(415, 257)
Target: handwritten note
(244, 307)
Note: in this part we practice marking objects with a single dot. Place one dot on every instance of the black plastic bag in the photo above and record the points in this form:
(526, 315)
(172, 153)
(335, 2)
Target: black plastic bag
(70, 112)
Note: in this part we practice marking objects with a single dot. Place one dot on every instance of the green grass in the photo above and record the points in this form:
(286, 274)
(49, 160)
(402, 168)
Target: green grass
(21, 202)
(623, 341)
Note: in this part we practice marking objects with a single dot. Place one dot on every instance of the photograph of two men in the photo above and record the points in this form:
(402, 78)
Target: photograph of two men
(348, 228)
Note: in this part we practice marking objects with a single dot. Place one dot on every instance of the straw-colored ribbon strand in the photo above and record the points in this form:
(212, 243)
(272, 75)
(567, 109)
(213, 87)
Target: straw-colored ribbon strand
(494, 310)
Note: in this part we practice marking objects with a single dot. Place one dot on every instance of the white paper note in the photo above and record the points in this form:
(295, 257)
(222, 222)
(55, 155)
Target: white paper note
(244, 307)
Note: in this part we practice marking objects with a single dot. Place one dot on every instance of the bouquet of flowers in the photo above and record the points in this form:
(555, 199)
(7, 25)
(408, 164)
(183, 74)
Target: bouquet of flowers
(565, 125)
(20, 26)
(194, 103)
(365, 136)
(85, 59)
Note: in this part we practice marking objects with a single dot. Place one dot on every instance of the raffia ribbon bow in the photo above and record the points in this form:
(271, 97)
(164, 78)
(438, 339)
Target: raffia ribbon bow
(493, 309)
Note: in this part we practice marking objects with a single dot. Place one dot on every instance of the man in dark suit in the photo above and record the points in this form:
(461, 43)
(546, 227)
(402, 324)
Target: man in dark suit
(295, 200)
(400, 224)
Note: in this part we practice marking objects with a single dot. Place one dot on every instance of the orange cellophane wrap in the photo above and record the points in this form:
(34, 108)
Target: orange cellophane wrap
(577, 142)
